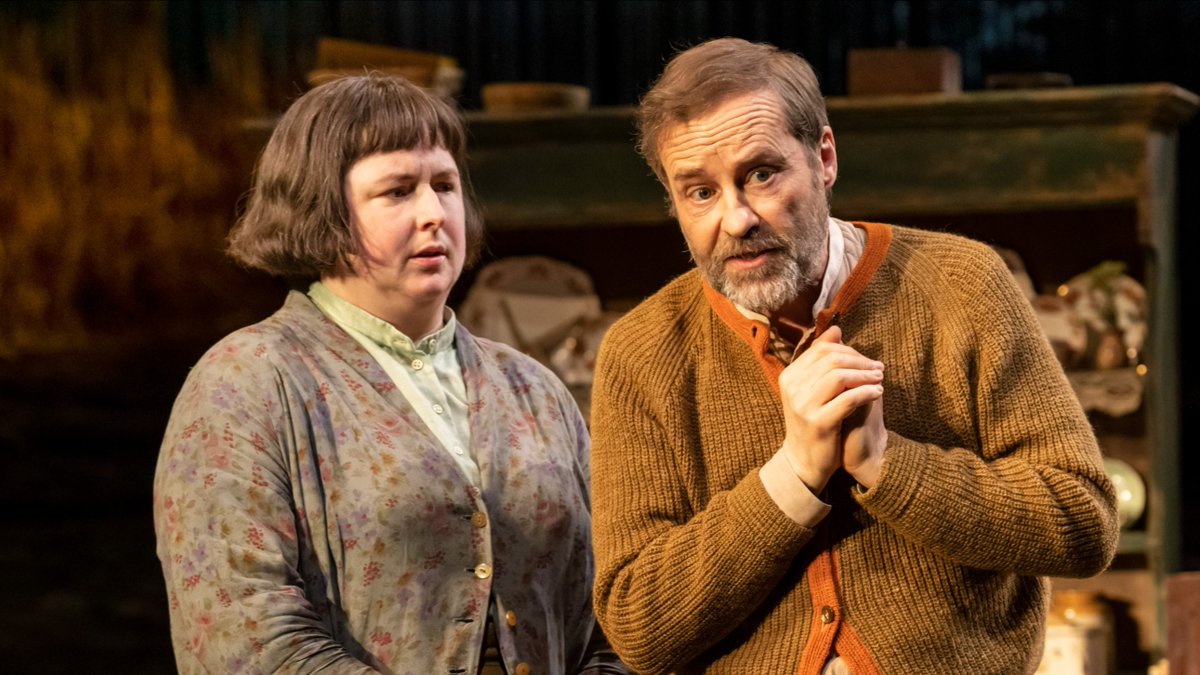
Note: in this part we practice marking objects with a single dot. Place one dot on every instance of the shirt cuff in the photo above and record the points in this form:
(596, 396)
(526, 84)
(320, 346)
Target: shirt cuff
(790, 493)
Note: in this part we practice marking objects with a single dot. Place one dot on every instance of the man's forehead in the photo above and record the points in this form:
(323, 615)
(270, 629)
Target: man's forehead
(738, 125)
(763, 106)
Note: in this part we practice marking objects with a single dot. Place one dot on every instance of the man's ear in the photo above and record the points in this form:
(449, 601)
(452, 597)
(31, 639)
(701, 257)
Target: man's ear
(827, 154)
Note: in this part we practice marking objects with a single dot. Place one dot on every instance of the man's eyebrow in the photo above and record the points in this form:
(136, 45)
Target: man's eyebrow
(687, 174)
(754, 157)
(764, 156)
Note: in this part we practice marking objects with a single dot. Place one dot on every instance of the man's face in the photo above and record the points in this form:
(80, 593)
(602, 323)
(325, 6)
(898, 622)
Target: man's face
(751, 200)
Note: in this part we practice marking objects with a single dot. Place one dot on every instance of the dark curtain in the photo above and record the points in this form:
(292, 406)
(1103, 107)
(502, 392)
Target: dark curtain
(616, 48)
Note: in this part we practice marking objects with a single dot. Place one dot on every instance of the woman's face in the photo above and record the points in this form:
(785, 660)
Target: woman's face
(406, 209)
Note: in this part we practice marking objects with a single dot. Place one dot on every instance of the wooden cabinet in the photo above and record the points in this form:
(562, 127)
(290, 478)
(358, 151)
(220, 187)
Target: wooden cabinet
(1065, 177)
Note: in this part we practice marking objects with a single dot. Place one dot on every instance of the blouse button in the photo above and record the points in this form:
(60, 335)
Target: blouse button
(417, 364)
(826, 615)
(458, 450)
(437, 408)
(510, 618)
(479, 519)
(483, 570)
(521, 669)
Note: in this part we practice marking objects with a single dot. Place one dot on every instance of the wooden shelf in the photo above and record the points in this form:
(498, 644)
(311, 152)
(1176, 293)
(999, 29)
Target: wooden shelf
(975, 152)
(1133, 542)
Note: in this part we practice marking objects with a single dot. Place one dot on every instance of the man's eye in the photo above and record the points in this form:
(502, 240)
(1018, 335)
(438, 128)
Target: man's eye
(761, 175)
(701, 194)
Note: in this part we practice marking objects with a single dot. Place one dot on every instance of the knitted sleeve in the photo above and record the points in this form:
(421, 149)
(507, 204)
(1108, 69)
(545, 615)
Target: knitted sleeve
(1028, 495)
(674, 574)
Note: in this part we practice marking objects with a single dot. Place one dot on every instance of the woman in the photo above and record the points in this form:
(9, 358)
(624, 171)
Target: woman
(357, 483)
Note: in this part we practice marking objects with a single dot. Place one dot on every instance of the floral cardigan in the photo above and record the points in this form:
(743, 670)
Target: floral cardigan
(308, 519)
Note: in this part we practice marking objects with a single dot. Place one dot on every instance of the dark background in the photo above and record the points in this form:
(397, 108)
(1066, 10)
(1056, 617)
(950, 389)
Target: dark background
(80, 423)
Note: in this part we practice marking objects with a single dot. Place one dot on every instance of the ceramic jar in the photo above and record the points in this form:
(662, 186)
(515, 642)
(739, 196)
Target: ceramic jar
(1078, 635)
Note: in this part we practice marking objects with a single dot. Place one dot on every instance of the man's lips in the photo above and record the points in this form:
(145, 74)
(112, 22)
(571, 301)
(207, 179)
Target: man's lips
(748, 259)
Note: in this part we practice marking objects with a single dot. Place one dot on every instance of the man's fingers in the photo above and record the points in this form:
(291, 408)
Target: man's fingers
(828, 354)
(854, 401)
(827, 402)
(833, 334)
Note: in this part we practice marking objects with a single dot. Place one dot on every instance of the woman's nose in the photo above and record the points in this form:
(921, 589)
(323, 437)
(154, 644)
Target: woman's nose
(427, 209)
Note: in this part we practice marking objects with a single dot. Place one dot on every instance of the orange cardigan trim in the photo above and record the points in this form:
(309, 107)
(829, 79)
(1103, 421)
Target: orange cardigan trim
(821, 577)
(879, 239)
(756, 334)
(854, 652)
(846, 644)
(828, 632)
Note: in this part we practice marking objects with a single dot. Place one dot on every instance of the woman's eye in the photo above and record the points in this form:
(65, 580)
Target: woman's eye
(398, 192)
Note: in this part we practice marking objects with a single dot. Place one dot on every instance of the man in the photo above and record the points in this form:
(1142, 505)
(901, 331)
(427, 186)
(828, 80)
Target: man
(832, 447)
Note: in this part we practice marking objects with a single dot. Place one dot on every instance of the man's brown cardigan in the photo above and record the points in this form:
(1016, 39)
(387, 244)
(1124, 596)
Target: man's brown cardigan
(992, 479)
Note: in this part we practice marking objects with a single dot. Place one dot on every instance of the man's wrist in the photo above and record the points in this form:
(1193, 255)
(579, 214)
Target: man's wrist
(791, 494)
(813, 480)
(867, 473)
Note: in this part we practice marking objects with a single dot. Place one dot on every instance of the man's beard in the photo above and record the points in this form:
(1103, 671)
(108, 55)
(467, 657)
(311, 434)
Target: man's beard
(794, 264)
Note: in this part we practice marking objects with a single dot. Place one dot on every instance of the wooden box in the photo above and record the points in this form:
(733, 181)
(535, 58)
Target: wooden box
(876, 72)
(1183, 623)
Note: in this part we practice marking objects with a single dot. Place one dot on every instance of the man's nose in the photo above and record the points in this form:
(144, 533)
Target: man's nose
(738, 217)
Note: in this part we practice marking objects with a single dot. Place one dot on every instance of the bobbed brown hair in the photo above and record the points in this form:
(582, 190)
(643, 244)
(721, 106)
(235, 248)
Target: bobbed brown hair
(296, 223)
(699, 78)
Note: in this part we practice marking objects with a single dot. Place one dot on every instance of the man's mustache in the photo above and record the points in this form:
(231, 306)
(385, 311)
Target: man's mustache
(755, 241)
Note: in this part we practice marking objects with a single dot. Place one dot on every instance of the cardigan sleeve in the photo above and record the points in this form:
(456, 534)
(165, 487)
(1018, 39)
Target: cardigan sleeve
(1032, 498)
(670, 581)
(226, 527)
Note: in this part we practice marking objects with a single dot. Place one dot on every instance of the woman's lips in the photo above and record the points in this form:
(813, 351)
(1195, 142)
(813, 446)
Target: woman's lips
(429, 257)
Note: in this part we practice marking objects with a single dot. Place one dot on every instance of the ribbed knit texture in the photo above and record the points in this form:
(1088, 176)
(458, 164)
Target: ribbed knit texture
(992, 478)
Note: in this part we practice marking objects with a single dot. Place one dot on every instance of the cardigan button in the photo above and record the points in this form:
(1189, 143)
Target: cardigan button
(479, 520)
(483, 570)
(827, 615)
(510, 618)
(521, 669)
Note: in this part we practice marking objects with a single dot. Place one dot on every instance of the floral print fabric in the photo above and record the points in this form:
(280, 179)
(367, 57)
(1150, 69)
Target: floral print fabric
(307, 518)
